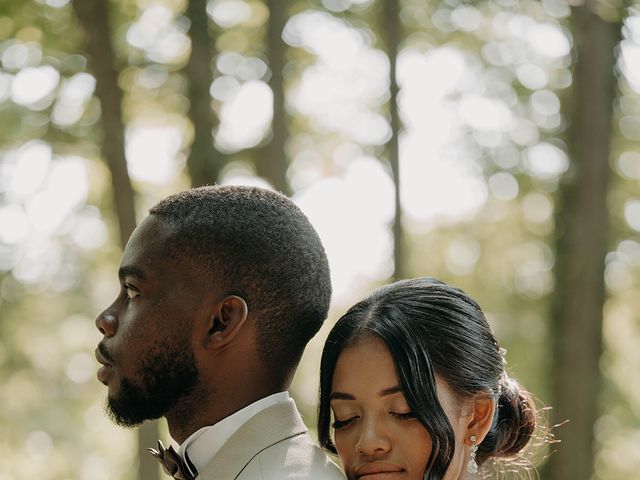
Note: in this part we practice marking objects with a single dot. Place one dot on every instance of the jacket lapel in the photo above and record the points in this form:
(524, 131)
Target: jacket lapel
(271, 426)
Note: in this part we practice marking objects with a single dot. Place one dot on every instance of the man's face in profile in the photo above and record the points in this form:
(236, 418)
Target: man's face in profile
(147, 355)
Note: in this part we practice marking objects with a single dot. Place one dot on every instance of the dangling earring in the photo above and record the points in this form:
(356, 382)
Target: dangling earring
(472, 466)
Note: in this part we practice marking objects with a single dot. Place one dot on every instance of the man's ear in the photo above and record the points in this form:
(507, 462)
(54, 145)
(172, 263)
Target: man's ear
(481, 418)
(228, 318)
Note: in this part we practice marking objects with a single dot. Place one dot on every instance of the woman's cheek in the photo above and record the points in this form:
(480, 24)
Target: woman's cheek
(345, 447)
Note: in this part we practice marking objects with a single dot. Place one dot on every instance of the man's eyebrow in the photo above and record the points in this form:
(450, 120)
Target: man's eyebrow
(389, 391)
(130, 271)
(341, 396)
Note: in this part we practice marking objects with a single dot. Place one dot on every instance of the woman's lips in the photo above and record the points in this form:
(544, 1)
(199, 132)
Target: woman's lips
(381, 475)
(378, 471)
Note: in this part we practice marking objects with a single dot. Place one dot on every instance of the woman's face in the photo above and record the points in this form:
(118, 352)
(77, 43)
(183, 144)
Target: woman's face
(376, 434)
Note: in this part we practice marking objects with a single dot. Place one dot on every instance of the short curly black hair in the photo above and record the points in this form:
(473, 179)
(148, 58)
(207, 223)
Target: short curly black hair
(257, 244)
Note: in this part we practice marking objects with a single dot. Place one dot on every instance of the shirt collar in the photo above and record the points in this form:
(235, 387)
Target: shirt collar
(203, 444)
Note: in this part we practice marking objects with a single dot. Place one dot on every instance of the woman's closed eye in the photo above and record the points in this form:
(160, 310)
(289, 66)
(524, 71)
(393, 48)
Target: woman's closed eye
(403, 416)
(337, 424)
(343, 423)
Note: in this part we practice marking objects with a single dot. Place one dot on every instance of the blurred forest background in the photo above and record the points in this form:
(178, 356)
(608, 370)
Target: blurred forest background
(494, 144)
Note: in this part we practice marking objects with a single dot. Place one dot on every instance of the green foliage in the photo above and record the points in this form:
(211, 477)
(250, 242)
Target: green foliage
(58, 240)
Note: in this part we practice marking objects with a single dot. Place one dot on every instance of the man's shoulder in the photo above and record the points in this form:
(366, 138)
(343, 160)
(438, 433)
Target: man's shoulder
(272, 445)
(296, 458)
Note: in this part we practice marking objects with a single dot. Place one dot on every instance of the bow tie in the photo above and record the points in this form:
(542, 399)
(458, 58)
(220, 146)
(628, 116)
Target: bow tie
(172, 463)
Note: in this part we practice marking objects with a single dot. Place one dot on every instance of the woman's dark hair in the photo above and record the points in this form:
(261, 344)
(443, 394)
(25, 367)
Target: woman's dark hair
(433, 329)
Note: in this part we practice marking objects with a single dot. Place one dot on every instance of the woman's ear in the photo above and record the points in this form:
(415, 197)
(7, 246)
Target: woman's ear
(228, 318)
(481, 418)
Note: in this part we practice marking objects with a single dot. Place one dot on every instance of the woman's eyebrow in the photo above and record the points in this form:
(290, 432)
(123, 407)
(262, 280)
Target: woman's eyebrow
(341, 396)
(382, 393)
(389, 391)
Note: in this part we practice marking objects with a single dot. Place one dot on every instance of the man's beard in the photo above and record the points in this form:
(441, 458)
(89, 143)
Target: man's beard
(169, 373)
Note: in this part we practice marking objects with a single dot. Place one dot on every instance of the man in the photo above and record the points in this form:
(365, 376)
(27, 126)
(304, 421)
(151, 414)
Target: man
(221, 288)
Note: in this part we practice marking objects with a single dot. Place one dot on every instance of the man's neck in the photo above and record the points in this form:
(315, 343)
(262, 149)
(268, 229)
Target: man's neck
(192, 414)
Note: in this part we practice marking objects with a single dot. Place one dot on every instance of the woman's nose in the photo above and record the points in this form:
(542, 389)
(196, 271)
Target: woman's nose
(107, 323)
(373, 440)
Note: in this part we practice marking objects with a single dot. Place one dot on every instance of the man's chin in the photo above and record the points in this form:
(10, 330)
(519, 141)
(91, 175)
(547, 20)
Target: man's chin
(125, 417)
(120, 416)
(129, 410)
(162, 384)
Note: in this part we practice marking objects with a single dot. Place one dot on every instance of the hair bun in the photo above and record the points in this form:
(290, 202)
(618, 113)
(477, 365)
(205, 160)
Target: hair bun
(514, 423)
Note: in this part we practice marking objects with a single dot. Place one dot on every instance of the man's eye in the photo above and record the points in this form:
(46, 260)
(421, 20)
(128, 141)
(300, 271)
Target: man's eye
(131, 292)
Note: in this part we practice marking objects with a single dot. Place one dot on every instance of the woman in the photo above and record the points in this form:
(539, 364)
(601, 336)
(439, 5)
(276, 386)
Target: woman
(416, 384)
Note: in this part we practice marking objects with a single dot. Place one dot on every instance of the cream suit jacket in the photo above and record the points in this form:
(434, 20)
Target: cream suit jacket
(272, 445)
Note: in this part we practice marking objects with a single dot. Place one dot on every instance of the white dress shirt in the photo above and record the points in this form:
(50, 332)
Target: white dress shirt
(203, 444)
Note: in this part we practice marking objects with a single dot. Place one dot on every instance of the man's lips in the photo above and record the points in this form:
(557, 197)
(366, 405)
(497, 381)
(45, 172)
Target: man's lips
(101, 358)
(373, 470)
(105, 370)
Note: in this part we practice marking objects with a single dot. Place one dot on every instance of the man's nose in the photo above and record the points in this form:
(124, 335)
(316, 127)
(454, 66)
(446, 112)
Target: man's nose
(373, 439)
(107, 323)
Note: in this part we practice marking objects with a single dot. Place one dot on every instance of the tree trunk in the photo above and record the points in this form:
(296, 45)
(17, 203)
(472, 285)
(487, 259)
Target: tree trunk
(204, 163)
(391, 26)
(274, 166)
(582, 223)
(94, 18)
